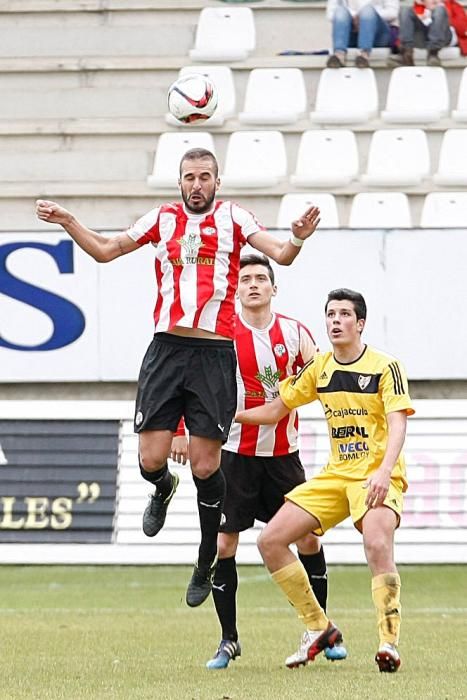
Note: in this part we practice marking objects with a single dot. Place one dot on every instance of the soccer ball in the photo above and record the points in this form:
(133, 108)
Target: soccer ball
(192, 98)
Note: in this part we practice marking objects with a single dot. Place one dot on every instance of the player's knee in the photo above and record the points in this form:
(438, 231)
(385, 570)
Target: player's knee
(378, 551)
(152, 461)
(203, 470)
(266, 542)
(309, 544)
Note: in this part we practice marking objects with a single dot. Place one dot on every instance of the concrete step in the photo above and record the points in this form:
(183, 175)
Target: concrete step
(122, 88)
(155, 28)
(114, 157)
(117, 205)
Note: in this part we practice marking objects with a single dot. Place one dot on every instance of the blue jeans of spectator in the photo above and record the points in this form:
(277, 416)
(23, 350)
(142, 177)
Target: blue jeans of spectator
(373, 30)
(413, 33)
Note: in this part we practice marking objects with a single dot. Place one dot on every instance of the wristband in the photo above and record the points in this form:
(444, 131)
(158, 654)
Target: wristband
(298, 242)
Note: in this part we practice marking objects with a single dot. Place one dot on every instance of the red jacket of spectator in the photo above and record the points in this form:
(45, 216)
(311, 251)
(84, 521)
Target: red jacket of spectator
(458, 20)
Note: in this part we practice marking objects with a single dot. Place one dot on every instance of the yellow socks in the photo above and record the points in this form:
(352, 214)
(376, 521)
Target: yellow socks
(385, 590)
(296, 586)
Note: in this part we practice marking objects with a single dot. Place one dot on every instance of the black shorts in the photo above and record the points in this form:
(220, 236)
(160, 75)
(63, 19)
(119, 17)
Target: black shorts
(190, 377)
(256, 487)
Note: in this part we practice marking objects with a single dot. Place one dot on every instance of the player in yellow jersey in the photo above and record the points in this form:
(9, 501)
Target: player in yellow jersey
(366, 403)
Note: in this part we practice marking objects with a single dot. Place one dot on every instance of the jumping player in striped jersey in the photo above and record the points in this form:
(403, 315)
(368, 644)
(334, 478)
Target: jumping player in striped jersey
(189, 367)
(365, 399)
(261, 463)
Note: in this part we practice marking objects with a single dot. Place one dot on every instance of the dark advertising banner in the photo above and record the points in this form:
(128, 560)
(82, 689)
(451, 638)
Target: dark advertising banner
(58, 480)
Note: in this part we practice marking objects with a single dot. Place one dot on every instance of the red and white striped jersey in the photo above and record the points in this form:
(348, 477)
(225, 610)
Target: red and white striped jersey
(197, 263)
(264, 358)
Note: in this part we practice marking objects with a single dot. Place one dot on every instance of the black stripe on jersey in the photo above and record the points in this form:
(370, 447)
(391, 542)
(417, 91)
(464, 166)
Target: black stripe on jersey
(302, 369)
(352, 382)
(397, 378)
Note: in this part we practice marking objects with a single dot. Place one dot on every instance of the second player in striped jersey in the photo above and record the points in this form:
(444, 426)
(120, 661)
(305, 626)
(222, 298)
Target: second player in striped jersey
(261, 463)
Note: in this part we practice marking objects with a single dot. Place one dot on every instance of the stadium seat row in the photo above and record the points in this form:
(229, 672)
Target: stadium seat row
(229, 34)
(277, 96)
(326, 158)
(378, 210)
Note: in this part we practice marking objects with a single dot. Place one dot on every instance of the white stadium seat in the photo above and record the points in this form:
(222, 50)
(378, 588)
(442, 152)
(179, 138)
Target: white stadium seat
(447, 53)
(255, 159)
(397, 157)
(416, 94)
(452, 168)
(274, 96)
(326, 158)
(444, 210)
(294, 205)
(380, 210)
(224, 34)
(460, 114)
(222, 77)
(170, 148)
(345, 96)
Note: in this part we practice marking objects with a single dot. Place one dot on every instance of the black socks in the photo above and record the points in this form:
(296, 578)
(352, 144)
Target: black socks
(224, 592)
(211, 494)
(315, 567)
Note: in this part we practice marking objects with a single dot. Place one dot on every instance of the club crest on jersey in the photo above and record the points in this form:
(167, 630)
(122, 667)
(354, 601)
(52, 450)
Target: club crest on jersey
(363, 381)
(190, 243)
(279, 350)
(269, 378)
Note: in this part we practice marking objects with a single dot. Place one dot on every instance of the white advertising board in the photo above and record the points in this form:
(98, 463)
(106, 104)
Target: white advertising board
(64, 317)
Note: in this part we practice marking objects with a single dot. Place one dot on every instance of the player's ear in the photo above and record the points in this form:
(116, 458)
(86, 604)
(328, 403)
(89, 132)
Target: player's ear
(218, 183)
(274, 290)
(361, 324)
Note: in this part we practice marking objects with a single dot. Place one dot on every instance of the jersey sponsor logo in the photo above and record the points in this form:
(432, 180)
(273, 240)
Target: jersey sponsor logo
(343, 412)
(255, 394)
(323, 375)
(199, 260)
(190, 243)
(269, 378)
(353, 450)
(279, 350)
(363, 381)
(346, 431)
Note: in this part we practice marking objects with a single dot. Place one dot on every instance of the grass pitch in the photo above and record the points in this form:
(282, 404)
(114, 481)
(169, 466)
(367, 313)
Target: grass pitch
(126, 633)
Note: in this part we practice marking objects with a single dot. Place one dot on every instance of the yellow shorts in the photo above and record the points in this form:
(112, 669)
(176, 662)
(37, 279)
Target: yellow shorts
(331, 498)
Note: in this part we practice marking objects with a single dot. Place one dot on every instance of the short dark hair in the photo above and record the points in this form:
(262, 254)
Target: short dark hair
(196, 154)
(257, 259)
(356, 298)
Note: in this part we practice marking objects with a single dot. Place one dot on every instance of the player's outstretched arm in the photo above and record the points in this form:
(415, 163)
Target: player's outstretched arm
(98, 247)
(285, 252)
(267, 414)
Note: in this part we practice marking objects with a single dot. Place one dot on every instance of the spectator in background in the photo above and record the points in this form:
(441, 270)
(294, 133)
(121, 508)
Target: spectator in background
(360, 23)
(458, 21)
(424, 25)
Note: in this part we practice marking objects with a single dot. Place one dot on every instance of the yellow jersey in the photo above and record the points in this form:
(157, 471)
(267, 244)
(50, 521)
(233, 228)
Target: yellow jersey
(356, 398)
